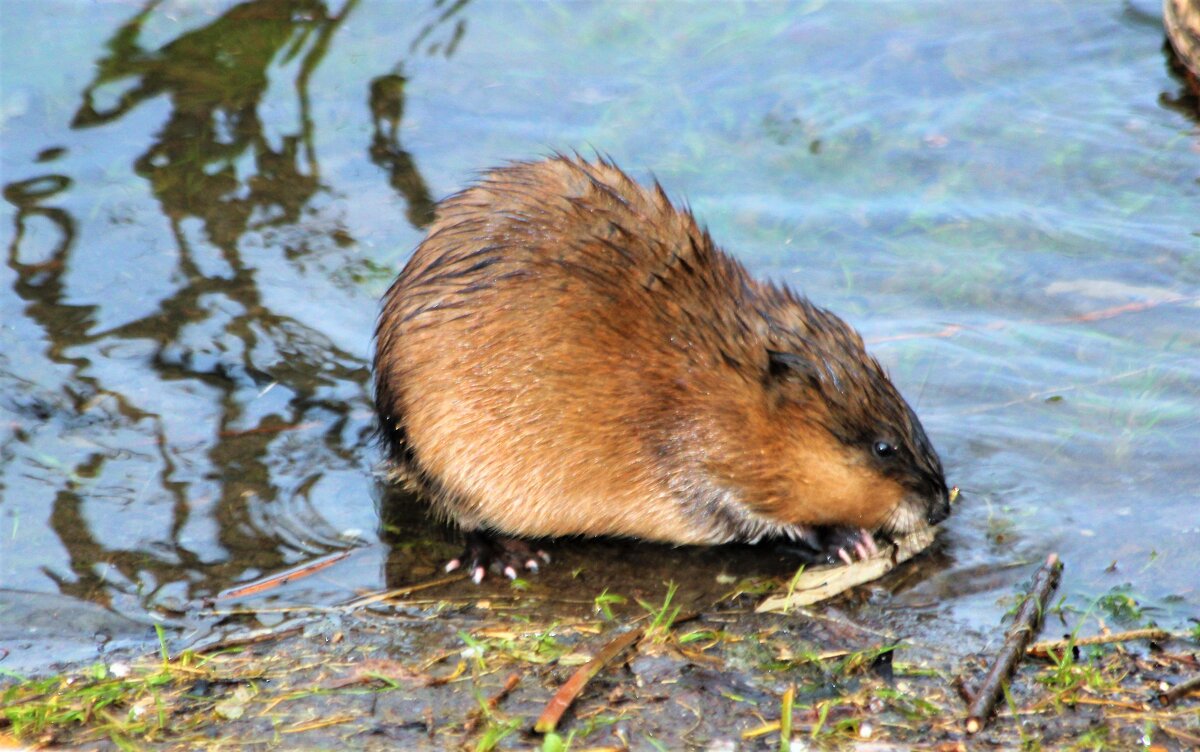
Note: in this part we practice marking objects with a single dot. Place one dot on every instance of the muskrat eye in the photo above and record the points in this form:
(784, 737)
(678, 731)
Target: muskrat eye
(883, 449)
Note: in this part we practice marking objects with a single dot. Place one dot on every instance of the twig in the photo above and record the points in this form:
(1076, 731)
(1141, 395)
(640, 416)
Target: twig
(1055, 700)
(1180, 690)
(567, 693)
(385, 595)
(1180, 734)
(493, 702)
(960, 686)
(1024, 626)
(509, 685)
(1043, 648)
(282, 578)
(320, 723)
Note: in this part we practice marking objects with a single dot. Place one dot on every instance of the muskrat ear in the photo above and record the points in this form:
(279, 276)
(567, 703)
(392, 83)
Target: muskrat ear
(786, 365)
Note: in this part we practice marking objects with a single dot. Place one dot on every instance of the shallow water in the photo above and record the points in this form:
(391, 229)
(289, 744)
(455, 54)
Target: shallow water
(205, 200)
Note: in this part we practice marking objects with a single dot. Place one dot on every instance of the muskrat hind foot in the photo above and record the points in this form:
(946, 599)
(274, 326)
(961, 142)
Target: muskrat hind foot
(484, 549)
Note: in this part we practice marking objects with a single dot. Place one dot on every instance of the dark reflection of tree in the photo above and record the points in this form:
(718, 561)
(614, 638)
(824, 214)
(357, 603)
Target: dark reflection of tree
(448, 18)
(41, 285)
(212, 165)
(215, 77)
(387, 109)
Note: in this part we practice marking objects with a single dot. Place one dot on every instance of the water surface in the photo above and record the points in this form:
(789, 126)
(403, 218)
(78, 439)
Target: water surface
(205, 200)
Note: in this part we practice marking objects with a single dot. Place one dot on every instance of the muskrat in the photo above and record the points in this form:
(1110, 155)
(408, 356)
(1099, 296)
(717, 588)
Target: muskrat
(568, 353)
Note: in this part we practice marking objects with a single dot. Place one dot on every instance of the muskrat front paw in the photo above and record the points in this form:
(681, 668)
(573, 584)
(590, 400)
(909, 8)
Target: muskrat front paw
(847, 545)
(483, 550)
(834, 545)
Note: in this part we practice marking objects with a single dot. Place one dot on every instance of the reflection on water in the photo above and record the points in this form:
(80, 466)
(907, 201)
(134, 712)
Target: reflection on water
(151, 505)
(387, 109)
(204, 202)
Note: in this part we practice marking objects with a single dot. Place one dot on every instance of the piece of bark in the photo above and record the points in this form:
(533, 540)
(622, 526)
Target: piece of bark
(1024, 627)
(820, 583)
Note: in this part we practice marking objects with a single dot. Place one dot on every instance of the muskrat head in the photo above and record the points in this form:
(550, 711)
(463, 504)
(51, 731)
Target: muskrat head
(854, 451)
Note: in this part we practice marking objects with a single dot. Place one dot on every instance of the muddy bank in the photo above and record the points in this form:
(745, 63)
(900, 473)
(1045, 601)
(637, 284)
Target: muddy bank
(460, 666)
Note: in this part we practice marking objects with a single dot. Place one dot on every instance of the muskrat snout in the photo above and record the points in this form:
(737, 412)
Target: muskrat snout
(923, 499)
(939, 508)
(916, 511)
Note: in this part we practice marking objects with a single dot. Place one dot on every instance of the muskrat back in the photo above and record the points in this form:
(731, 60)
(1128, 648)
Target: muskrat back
(567, 353)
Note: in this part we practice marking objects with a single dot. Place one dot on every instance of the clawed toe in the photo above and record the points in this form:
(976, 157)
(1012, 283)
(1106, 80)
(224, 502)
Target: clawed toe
(511, 555)
(837, 545)
(849, 545)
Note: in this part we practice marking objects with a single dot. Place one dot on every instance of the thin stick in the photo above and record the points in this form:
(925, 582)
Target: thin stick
(567, 693)
(509, 685)
(493, 702)
(1181, 735)
(283, 578)
(1024, 626)
(385, 595)
(1180, 690)
(960, 686)
(1151, 633)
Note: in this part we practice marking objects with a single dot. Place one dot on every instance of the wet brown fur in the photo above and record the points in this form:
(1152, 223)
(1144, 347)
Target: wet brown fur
(568, 353)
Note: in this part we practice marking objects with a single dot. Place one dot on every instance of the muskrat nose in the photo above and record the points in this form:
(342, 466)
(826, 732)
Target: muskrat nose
(939, 509)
